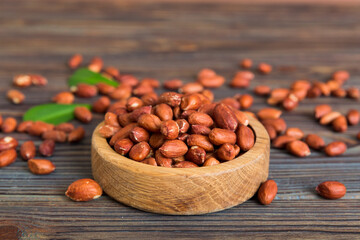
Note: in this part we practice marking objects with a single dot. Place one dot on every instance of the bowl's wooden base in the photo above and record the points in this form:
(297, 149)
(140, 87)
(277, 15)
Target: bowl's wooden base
(181, 191)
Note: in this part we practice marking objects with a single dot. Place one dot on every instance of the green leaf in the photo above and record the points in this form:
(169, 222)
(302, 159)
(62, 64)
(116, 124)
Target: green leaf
(84, 75)
(52, 112)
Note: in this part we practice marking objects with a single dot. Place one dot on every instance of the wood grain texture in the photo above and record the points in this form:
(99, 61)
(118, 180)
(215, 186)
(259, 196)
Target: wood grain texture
(168, 40)
(181, 191)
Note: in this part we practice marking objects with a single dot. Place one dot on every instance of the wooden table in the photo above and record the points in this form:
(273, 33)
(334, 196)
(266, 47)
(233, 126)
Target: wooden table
(166, 40)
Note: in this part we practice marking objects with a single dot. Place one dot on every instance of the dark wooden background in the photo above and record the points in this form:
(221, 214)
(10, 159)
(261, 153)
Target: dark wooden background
(166, 40)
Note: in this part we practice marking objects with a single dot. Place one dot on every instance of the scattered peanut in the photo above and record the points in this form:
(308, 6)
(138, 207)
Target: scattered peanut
(267, 192)
(83, 190)
(15, 96)
(41, 166)
(331, 190)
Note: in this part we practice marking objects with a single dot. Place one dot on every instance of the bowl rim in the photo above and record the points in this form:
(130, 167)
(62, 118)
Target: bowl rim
(107, 153)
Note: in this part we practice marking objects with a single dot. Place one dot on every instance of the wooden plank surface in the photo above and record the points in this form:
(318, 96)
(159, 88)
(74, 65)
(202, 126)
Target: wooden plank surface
(167, 40)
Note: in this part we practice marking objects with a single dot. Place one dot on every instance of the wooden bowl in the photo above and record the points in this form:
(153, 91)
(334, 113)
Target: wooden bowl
(181, 191)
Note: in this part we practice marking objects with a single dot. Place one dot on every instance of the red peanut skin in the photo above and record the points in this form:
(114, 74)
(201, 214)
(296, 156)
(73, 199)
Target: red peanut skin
(335, 148)
(267, 192)
(83, 190)
(331, 190)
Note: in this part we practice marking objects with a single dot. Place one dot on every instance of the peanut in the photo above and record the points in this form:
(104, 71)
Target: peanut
(150, 122)
(9, 125)
(212, 82)
(245, 138)
(269, 113)
(7, 157)
(108, 131)
(83, 90)
(41, 166)
(246, 63)
(139, 151)
(314, 141)
(322, 110)
(38, 128)
(83, 114)
(76, 135)
(298, 148)
(340, 93)
(170, 129)
(200, 129)
(341, 76)
(75, 61)
(267, 192)
(173, 84)
(196, 155)
(226, 152)
(335, 148)
(353, 93)
(270, 130)
(111, 119)
(173, 148)
(23, 80)
(23, 126)
(172, 99)
(340, 124)
(27, 150)
(190, 102)
(331, 190)
(211, 162)
(198, 118)
(150, 99)
(56, 135)
(105, 89)
(329, 117)
(15, 96)
(224, 117)
(200, 141)
(264, 68)
(156, 140)
(162, 161)
(185, 164)
(112, 71)
(101, 105)
(183, 125)
(38, 80)
(220, 136)
(353, 117)
(246, 101)
(65, 127)
(133, 103)
(123, 146)
(47, 147)
(128, 79)
(295, 132)
(139, 134)
(137, 113)
(96, 64)
(150, 161)
(164, 112)
(8, 143)
(63, 98)
(282, 141)
(83, 190)
(192, 87)
(262, 90)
